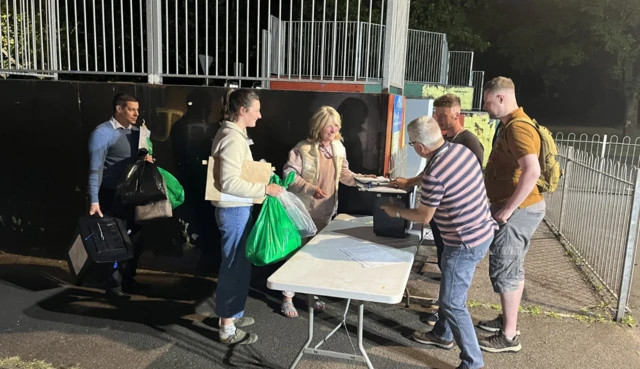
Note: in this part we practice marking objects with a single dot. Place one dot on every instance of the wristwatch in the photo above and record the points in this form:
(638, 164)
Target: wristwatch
(397, 214)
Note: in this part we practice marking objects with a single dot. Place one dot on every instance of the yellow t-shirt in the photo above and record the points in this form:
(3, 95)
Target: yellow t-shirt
(502, 172)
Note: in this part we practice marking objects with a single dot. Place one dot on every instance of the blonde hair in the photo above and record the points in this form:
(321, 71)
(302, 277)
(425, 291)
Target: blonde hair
(499, 83)
(320, 119)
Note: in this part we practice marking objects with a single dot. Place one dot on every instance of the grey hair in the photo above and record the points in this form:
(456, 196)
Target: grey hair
(425, 130)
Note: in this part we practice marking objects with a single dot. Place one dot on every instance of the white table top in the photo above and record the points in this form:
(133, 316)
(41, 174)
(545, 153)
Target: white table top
(320, 268)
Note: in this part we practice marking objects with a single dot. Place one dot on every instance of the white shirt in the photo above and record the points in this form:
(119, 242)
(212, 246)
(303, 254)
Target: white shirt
(116, 124)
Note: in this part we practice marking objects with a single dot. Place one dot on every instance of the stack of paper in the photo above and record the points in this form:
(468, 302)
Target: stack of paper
(370, 256)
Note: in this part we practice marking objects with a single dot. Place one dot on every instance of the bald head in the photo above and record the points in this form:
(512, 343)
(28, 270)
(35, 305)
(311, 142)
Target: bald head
(500, 98)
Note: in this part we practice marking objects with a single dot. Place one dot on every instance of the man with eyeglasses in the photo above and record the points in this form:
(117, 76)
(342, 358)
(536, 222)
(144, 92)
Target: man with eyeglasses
(454, 196)
(447, 114)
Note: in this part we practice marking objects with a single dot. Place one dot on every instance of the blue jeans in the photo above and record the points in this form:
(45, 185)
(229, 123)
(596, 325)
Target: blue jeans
(458, 266)
(235, 270)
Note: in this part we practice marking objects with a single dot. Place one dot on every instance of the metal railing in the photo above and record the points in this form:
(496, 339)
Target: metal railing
(355, 53)
(460, 68)
(224, 40)
(427, 56)
(73, 36)
(624, 150)
(596, 209)
(478, 85)
(227, 40)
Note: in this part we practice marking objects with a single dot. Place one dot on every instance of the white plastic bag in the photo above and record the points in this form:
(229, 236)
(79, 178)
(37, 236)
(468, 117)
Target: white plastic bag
(298, 214)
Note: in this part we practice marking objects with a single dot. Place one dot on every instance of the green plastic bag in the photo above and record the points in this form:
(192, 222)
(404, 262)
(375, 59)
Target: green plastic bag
(175, 191)
(274, 235)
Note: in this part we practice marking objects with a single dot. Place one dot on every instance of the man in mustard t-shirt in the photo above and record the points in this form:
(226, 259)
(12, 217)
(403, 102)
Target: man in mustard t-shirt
(516, 204)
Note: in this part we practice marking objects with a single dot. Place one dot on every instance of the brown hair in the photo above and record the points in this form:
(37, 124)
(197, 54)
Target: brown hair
(447, 101)
(320, 119)
(236, 99)
(121, 99)
(499, 83)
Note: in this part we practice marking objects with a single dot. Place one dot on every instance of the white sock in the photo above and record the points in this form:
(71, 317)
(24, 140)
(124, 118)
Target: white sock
(227, 331)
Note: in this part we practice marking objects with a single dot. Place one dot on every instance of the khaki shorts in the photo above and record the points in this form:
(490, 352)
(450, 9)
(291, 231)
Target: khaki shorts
(510, 246)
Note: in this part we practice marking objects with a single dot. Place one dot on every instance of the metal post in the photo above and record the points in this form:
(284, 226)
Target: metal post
(471, 71)
(627, 271)
(265, 56)
(53, 43)
(311, 304)
(360, 341)
(388, 45)
(154, 42)
(602, 161)
(565, 187)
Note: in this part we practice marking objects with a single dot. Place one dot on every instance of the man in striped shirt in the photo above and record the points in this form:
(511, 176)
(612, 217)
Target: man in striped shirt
(454, 196)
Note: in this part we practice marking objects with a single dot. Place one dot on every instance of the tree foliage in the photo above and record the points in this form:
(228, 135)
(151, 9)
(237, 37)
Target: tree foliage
(451, 17)
(550, 36)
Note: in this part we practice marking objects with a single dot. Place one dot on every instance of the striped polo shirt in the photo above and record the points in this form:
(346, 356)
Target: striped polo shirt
(453, 184)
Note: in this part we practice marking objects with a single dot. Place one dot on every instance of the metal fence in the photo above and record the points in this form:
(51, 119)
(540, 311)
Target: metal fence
(460, 68)
(354, 53)
(596, 209)
(478, 84)
(45, 37)
(427, 56)
(224, 40)
(337, 42)
(624, 150)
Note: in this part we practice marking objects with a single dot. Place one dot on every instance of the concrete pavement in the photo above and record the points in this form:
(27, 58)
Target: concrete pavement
(43, 317)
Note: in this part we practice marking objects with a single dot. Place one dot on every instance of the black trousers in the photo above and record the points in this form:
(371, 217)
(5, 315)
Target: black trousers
(126, 269)
(437, 238)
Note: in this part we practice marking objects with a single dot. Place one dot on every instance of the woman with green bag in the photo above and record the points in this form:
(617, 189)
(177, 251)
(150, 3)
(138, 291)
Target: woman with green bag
(230, 147)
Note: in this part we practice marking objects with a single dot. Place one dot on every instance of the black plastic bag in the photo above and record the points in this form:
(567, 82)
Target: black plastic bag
(143, 184)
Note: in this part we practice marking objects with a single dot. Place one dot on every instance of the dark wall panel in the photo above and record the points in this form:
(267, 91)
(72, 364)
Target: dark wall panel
(43, 145)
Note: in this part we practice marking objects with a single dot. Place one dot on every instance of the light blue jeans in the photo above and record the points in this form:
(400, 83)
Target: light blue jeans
(235, 270)
(458, 265)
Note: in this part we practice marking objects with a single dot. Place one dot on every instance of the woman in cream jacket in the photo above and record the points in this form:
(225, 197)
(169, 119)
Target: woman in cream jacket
(320, 163)
(230, 146)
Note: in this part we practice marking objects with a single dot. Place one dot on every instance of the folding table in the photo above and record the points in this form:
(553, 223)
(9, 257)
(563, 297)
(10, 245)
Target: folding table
(321, 268)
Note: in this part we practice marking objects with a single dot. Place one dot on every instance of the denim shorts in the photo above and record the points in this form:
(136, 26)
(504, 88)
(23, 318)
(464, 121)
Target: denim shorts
(510, 246)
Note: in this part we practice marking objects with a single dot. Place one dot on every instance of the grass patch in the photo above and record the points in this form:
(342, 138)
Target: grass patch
(628, 320)
(17, 363)
(585, 315)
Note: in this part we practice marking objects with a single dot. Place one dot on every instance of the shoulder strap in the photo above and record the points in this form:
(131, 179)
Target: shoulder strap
(525, 120)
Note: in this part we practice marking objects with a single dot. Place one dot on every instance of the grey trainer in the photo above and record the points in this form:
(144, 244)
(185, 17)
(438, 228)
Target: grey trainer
(431, 339)
(500, 343)
(494, 325)
(240, 338)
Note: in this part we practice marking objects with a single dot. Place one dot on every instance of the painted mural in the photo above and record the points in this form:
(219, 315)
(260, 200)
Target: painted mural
(483, 127)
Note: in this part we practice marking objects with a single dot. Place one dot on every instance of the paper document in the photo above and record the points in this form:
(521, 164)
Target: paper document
(230, 198)
(370, 256)
(377, 180)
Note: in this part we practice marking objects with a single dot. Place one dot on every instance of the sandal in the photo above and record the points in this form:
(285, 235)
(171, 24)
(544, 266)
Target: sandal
(319, 305)
(289, 310)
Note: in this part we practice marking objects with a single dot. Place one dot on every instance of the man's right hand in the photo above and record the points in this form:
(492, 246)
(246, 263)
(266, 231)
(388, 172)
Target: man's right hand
(273, 190)
(95, 209)
(400, 182)
(319, 194)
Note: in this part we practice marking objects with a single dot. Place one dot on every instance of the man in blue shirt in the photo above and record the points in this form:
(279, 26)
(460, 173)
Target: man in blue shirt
(113, 146)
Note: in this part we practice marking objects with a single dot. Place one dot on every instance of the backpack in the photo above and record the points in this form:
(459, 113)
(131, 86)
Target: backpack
(550, 171)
